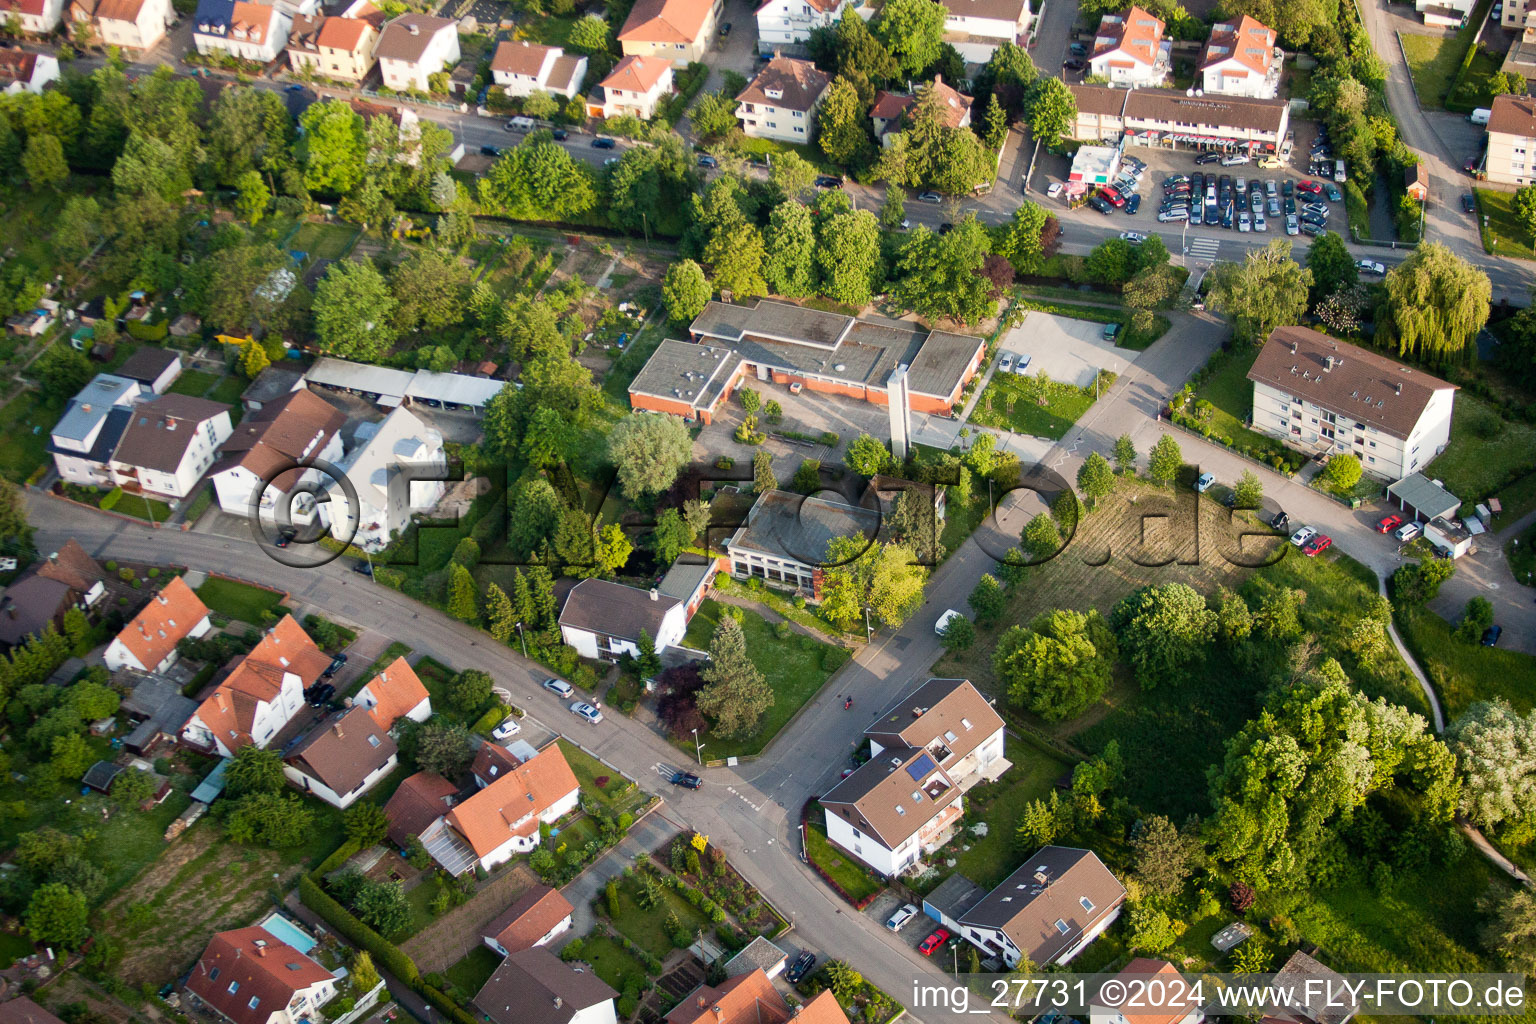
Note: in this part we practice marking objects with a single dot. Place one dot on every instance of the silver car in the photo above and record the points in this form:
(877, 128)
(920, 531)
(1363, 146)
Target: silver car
(581, 709)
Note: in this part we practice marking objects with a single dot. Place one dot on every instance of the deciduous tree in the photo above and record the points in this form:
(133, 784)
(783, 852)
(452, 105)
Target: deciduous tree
(939, 275)
(685, 291)
(1495, 750)
(1165, 459)
(1163, 630)
(848, 260)
(648, 449)
(913, 32)
(354, 311)
(1019, 239)
(1095, 478)
(790, 269)
(1333, 267)
(1059, 666)
(842, 129)
(1436, 302)
(1264, 291)
(1050, 109)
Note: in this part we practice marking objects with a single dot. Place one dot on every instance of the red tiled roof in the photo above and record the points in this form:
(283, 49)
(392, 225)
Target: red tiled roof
(165, 621)
(396, 691)
(1135, 33)
(420, 800)
(230, 711)
(251, 965)
(490, 817)
(637, 74)
(119, 10)
(744, 999)
(529, 919)
(344, 33)
(278, 434)
(1513, 115)
(522, 58)
(33, 7)
(666, 21)
(1246, 41)
(1173, 1000)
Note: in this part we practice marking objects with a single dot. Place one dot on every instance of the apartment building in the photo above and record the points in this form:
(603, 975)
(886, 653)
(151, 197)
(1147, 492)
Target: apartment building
(1130, 50)
(1511, 158)
(1241, 59)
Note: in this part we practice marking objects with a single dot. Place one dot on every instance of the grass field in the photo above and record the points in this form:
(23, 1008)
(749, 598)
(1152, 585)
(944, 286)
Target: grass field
(472, 972)
(323, 241)
(194, 383)
(140, 507)
(1009, 402)
(647, 928)
(855, 880)
(1503, 234)
(991, 857)
(1474, 91)
(1485, 448)
(1230, 393)
(792, 667)
(238, 600)
(24, 426)
(611, 962)
(547, 29)
(1464, 673)
(1433, 61)
(228, 390)
(617, 794)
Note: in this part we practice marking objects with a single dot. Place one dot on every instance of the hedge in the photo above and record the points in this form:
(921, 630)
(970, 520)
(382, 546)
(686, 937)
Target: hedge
(110, 499)
(490, 720)
(443, 1002)
(386, 953)
(338, 857)
(148, 332)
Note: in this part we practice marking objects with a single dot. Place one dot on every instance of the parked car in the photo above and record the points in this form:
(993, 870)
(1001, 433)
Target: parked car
(1244, 222)
(829, 181)
(558, 687)
(1271, 187)
(285, 538)
(1287, 188)
(1055, 189)
(1175, 179)
(1290, 206)
(708, 161)
(1468, 203)
(363, 569)
(1005, 364)
(946, 227)
(930, 197)
(1407, 532)
(560, 134)
(801, 967)
(1491, 635)
(1109, 195)
(1279, 520)
(931, 944)
(1235, 160)
(490, 151)
(1075, 64)
(1310, 229)
(508, 728)
(899, 919)
(604, 142)
(1132, 204)
(1302, 536)
(1204, 483)
(944, 621)
(1315, 219)
(1309, 188)
(1134, 237)
(1321, 209)
(1333, 193)
(1177, 213)
(321, 694)
(581, 709)
(725, 30)
(334, 667)
(1259, 223)
(1273, 206)
(1078, 49)
(687, 780)
(1386, 524)
(1208, 158)
(1317, 545)
(1101, 204)
(1022, 366)
(1370, 267)
(1292, 225)
(1110, 332)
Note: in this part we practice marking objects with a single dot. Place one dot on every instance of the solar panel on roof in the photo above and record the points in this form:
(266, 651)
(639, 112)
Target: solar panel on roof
(920, 768)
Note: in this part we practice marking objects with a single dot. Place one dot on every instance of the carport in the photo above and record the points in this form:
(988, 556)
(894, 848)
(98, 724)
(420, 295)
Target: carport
(952, 900)
(1423, 497)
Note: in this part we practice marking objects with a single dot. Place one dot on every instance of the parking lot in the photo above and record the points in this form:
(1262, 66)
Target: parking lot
(917, 928)
(1067, 350)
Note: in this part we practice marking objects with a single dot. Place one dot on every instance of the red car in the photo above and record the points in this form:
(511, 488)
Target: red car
(1311, 188)
(1112, 196)
(1389, 523)
(1316, 545)
(934, 941)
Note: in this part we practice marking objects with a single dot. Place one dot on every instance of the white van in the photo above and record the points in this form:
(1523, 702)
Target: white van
(520, 124)
(1480, 115)
(1339, 174)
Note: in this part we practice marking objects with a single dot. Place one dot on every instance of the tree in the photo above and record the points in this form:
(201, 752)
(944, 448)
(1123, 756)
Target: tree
(671, 536)
(612, 549)
(383, 907)
(846, 982)
(648, 449)
(71, 756)
(1165, 459)
(790, 242)
(1495, 749)
(1162, 631)
(1125, 454)
(538, 178)
(254, 770)
(333, 147)
(1267, 289)
(913, 32)
(685, 291)
(893, 212)
(763, 478)
(1019, 240)
(1152, 931)
(444, 749)
(696, 514)
(254, 359)
(275, 820)
(939, 275)
(734, 694)
(468, 692)
(365, 977)
(591, 34)
(1476, 618)
(1151, 288)
(1343, 472)
(735, 256)
(867, 456)
(982, 457)
(1111, 262)
(713, 118)
(791, 174)
(1059, 666)
(842, 129)
(365, 824)
(1333, 267)
(647, 663)
(62, 371)
(463, 603)
(1165, 856)
(501, 619)
(43, 162)
(1510, 928)
(57, 916)
(958, 635)
(1502, 83)
(1095, 478)
(430, 286)
(1436, 303)
(1420, 582)
(1041, 537)
(1050, 109)
(848, 259)
(354, 311)
(994, 124)
(1524, 207)
(1249, 492)
(987, 600)
(252, 196)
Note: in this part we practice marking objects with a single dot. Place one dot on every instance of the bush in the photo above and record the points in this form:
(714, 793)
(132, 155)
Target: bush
(111, 498)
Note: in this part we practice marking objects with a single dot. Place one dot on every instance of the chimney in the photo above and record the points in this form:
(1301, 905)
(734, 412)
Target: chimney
(1397, 386)
(719, 1013)
(261, 949)
(414, 30)
(702, 1002)
(1328, 364)
(559, 1002)
(655, 594)
(1293, 348)
(337, 728)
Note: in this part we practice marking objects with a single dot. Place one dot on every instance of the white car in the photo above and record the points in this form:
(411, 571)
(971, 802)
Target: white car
(1370, 267)
(1303, 535)
(1055, 189)
(1022, 366)
(1292, 225)
(1005, 364)
(507, 729)
(1408, 531)
(1244, 222)
(945, 619)
(1134, 237)
(901, 917)
(1235, 160)
(558, 687)
(581, 709)
(7, 564)
(1204, 483)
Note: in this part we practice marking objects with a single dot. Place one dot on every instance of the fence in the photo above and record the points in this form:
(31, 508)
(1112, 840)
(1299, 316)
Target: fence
(1249, 458)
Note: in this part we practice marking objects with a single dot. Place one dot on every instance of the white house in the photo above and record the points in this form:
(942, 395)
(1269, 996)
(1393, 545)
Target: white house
(130, 24)
(262, 457)
(538, 916)
(977, 27)
(250, 31)
(1323, 396)
(170, 441)
(1240, 59)
(635, 86)
(784, 542)
(604, 620)
(524, 68)
(377, 467)
(1048, 910)
(789, 22)
(37, 17)
(148, 643)
(415, 46)
(23, 71)
(83, 440)
(250, 976)
(905, 802)
(533, 986)
(1165, 997)
(679, 31)
(342, 758)
(780, 103)
(1130, 49)
(890, 109)
(395, 693)
(261, 695)
(155, 368)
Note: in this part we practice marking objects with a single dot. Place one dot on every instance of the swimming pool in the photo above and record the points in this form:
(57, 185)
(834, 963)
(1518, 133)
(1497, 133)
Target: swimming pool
(285, 930)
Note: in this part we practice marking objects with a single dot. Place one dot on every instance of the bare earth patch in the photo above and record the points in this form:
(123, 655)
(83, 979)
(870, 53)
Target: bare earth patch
(445, 941)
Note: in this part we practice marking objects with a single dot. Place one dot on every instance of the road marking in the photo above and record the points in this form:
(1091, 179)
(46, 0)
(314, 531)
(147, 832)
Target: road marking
(743, 798)
(1204, 248)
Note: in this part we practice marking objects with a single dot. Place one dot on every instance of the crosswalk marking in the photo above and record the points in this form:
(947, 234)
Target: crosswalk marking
(1204, 248)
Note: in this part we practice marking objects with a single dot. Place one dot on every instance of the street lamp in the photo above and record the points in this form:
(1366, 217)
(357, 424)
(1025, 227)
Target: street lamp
(869, 630)
(698, 748)
(804, 856)
(523, 638)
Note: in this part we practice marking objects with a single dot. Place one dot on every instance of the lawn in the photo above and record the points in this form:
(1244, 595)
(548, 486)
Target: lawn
(194, 383)
(854, 879)
(611, 962)
(1503, 234)
(547, 29)
(1464, 673)
(140, 507)
(771, 147)
(472, 972)
(228, 390)
(647, 928)
(24, 426)
(237, 600)
(420, 901)
(1485, 450)
(794, 667)
(1012, 402)
(1230, 393)
(617, 793)
(1000, 804)
(323, 241)
(1433, 61)
(1473, 92)
(1521, 552)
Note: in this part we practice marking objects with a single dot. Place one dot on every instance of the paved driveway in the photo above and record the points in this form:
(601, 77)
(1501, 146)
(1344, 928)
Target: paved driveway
(1072, 351)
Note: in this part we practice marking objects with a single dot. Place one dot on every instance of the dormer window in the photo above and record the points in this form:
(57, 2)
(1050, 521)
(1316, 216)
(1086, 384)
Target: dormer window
(774, 94)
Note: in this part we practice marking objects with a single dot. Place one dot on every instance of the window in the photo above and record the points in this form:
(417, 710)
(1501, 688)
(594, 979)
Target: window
(967, 723)
(213, 975)
(1086, 902)
(255, 1002)
(1061, 926)
(234, 987)
(901, 811)
(373, 741)
(799, 130)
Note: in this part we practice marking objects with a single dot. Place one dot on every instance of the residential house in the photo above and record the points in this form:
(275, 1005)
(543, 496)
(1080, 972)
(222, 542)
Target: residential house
(240, 28)
(83, 440)
(784, 541)
(261, 695)
(1048, 910)
(395, 693)
(342, 758)
(891, 108)
(422, 799)
(170, 441)
(1130, 49)
(1444, 13)
(148, 642)
(1171, 118)
(1241, 59)
(1319, 994)
(688, 581)
(788, 23)
(1511, 156)
(905, 802)
(537, 916)
(378, 467)
(156, 707)
(415, 47)
(22, 1010)
(154, 368)
(503, 819)
(492, 760)
(635, 87)
(271, 384)
(36, 17)
(1329, 397)
(604, 620)
(524, 68)
(250, 976)
(130, 24)
(751, 999)
(533, 986)
(1514, 16)
(23, 71)
(263, 458)
(780, 103)
(30, 605)
(337, 46)
(71, 566)
(977, 27)
(678, 31)
(951, 899)
(1163, 996)
(757, 955)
